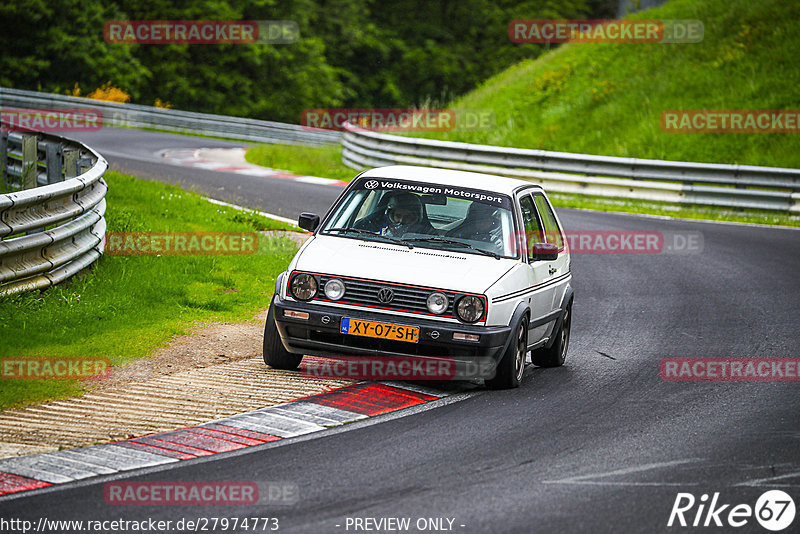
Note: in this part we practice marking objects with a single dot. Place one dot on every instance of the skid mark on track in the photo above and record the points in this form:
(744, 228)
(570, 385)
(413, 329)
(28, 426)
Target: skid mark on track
(775, 481)
(602, 478)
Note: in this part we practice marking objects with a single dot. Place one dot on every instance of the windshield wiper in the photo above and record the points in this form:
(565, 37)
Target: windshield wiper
(370, 232)
(453, 242)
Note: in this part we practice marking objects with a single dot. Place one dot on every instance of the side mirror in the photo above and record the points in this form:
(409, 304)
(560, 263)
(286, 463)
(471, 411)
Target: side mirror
(308, 221)
(544, 252)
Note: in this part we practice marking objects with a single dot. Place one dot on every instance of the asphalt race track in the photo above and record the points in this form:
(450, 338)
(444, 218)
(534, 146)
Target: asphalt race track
(138, 152)
(603, 444)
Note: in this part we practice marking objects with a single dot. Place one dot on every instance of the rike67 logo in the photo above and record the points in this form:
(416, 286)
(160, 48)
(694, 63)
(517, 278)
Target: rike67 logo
(774, 510)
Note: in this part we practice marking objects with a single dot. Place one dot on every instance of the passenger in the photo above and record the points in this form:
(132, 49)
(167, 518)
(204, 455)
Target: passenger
(481, 224)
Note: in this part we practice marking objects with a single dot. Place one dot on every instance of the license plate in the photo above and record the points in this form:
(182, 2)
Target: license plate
(357, 327)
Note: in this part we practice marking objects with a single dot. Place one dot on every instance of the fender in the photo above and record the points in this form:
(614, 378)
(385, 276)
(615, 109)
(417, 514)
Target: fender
(517, 317)
(278, 283)
(565, 302)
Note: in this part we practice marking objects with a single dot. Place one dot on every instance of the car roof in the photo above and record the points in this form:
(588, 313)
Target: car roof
(471, 180)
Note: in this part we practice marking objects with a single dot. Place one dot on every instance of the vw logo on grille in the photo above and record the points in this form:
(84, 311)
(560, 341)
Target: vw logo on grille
(385, 295)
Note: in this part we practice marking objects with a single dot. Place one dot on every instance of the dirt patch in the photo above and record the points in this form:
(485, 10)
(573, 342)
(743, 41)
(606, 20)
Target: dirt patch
(206, 345)
(215, 371)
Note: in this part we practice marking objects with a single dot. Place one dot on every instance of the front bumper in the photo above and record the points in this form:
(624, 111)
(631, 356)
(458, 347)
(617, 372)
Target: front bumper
(320, 335)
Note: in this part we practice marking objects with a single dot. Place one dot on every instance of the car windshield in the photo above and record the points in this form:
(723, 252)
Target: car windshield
(426, 215)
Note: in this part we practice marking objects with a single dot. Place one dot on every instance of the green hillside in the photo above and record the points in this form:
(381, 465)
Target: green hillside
(608, 98)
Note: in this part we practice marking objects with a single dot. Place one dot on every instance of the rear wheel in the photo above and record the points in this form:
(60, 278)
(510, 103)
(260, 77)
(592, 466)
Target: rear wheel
(557, 353)
(511, 366)
(275, 355)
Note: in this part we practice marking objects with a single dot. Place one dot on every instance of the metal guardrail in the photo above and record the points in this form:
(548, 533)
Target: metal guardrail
(137, 116)
(734, 186)
(53, 225)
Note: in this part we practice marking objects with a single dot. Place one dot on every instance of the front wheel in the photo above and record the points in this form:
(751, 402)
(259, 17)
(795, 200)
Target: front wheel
(557, 353)
(275, 355)
(508, 373)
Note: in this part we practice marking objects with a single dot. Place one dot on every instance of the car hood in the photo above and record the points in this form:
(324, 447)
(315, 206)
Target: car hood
(376, 260)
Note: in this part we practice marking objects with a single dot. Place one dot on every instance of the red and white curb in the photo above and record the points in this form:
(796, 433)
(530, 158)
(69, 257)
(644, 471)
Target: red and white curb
(295, 418)
(232, 160)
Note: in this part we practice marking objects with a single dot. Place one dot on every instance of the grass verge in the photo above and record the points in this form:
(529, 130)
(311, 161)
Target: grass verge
(325, 161)
(126, 306)
(608, 99)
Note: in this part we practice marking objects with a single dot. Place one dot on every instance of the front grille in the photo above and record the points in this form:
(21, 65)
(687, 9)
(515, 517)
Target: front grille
(406, 298)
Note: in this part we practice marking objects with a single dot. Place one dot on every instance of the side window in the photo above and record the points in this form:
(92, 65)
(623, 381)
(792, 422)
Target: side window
(552, 231)
(533, 230)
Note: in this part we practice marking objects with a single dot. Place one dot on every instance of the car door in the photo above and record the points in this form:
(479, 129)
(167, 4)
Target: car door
(558, 270)
(540, 299)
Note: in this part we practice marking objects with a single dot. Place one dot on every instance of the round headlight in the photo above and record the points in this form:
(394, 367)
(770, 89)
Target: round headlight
(334, 289)
(437, 303)
(469, 309)
(303, 287)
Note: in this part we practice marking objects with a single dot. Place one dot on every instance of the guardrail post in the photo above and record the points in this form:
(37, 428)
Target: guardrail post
(4, 157)
(53, 159)
(70, 163)
(29, 160)
(82, 163)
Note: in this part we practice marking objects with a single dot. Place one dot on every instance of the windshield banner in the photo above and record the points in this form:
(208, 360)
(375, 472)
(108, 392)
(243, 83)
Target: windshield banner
(487, 197)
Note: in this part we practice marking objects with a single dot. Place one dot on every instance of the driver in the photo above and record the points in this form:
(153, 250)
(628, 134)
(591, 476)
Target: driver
(403, 214)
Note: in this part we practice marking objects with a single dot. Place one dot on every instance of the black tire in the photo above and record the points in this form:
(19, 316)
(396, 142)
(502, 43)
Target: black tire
(511, 366)
(557, 353)
(275, 354)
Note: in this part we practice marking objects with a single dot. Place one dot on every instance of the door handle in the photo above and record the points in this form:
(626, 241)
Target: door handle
(552, 270)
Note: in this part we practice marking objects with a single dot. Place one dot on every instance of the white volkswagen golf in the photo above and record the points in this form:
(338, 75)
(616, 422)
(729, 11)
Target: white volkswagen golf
(428, 263)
